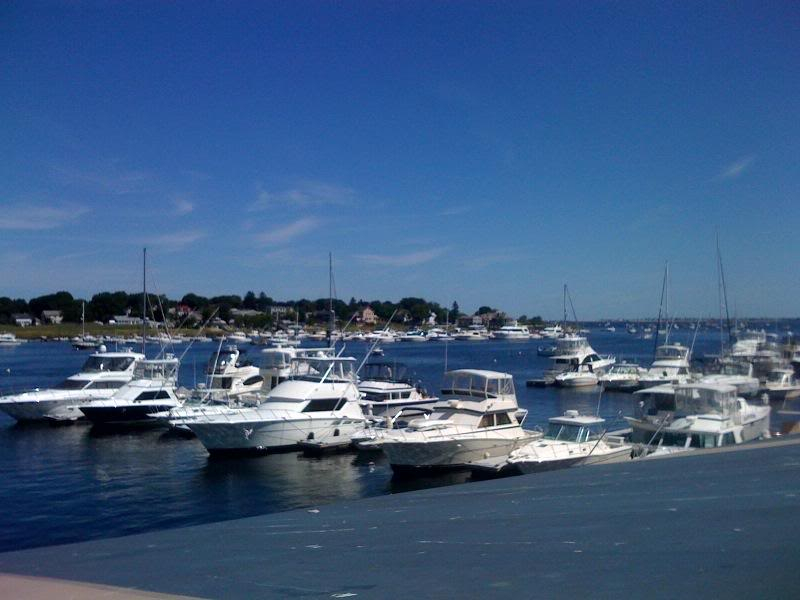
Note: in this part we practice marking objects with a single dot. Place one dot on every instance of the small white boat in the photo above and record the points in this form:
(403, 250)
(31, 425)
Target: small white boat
(580, 376)
(474, 333)
(671, 366)
(622, 376)
(571, 440)
(151, 391)
(782, 385)
(9, 339)
(415, 335)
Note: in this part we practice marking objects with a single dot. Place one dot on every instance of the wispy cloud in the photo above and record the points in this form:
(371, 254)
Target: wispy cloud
(402, 260)
(735, 169)
(176, 240)
(286, 233)
(110, 178)
(182, 205)
(38, 217)
(454, 211)
(306, 194)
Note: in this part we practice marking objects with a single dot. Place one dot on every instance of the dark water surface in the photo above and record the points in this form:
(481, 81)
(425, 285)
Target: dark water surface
(69, 483)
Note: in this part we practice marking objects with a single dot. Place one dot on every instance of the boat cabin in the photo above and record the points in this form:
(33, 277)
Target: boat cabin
(573, 427)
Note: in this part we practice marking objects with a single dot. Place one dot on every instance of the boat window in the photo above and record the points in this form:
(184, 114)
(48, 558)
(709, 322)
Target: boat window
(155, 395)
(253, 380)
(503, 419)
(71, 384)
(728, 439)
(106, 385)
(222, 383)
(703, 440)
(486, 421)
(321, 404)
(562, 432)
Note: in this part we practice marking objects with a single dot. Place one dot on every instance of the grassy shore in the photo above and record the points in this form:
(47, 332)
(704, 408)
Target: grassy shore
(73, 329)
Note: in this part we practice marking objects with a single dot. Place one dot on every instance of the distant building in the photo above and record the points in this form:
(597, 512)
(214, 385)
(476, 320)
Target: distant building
(367, 316)
(279, 311)
(22, 319)
(54, 317)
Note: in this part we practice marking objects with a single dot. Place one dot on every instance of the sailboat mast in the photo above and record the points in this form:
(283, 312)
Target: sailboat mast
(723, 298)
(331, 317)
(144, 297)
(660, 308)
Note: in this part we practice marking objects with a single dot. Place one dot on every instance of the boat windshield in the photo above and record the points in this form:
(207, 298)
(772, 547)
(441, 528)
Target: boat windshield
(72, 384)
(777, 377)
(98, 364)
(735, 368)
(697, 400)
(624, 370)
(315, 369)
(156, 369)
(672, 352)
(563, 432)
(277, 359)
(219, 362)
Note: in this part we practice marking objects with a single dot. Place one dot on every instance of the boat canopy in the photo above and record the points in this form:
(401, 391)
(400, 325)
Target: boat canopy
(99, 363)
(673, 351)
(317, 368)
(162, 368)
(695, 399)
(474, 382)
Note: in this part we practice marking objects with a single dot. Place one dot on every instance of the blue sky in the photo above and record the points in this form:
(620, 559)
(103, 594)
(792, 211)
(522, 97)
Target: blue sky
(479, 152)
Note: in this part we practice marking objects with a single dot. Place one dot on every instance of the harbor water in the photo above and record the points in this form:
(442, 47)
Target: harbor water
(70, 483)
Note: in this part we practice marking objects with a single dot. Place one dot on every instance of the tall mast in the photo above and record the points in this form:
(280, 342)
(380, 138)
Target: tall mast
(723, 298)
(83, 319)
(331, 317)
(660, 308)
(144, 297)
(564, 302)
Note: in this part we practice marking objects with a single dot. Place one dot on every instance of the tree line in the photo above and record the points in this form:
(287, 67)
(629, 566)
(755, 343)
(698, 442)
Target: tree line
(105, 306)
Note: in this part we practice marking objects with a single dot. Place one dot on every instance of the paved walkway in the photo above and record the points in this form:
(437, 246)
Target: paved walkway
(720, 524)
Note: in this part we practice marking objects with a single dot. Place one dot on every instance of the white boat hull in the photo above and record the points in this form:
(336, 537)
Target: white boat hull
(449, 452)
(538, 466)
(262, 436)
(40, 406)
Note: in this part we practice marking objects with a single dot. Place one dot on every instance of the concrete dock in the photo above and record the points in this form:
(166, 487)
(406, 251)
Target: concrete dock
(720, 524)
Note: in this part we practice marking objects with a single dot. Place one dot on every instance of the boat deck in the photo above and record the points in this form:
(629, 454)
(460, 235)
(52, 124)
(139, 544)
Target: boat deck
(723, 522)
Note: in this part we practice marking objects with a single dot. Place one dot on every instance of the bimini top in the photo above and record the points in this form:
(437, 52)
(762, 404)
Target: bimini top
(476, 382)
(572, 417)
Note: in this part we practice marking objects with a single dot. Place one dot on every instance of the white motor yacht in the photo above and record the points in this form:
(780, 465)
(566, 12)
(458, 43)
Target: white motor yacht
(782, 385)
(386, 390)
(580, 376)
(512, 332)
(552, 331)
(622, 376)
(572, 351)
(415, 335)
(570, 440)
(699, 415)
(477, 418)
(9, 339)
(671, 366)
(319, 403)
(230, 374)
(474, 333)
(101, 375)
(151, 391)
(437, 334)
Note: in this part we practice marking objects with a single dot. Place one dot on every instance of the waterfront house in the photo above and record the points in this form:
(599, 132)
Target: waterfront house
(22, 319)
(53, 317)
(367, 316)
